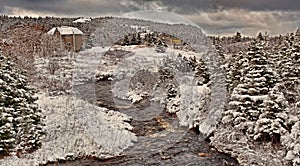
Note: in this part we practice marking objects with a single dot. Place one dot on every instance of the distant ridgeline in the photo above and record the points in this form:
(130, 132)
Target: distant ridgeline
(20, 118)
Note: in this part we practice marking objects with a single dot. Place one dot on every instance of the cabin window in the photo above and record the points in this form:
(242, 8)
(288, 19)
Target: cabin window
(68, 44)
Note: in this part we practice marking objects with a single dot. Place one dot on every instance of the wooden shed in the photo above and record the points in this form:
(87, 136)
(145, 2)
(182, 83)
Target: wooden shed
(71, 37)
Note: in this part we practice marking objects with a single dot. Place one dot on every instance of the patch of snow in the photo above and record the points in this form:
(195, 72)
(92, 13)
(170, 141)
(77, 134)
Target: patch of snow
(135, 98)
(82, 20)
(191, 104)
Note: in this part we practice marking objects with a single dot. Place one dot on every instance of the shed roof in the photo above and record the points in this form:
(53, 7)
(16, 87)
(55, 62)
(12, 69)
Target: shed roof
(65, 30)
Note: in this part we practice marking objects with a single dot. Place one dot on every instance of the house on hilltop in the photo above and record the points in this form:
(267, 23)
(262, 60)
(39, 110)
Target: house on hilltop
(171, 40)
(71, 37)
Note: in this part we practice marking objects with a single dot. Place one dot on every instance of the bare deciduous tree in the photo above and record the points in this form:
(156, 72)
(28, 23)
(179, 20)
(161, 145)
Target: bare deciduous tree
(53, 66)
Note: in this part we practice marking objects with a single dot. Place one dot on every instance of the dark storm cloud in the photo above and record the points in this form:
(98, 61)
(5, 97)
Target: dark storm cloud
(74, 7)
(229, 16)
(263, 4)
(29, 4)
(188, 6)
(64, 7)
(214, 16)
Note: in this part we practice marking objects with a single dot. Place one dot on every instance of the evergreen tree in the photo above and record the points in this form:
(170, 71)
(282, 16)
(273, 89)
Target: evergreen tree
(133, 40)
(233, 70)
(260, 36)
(297, 35)
(292, 143)
(289, 71)
(138, 39)
(201, 72)
(252, 104)
(238, 37)
(126, 40)
(21, 121)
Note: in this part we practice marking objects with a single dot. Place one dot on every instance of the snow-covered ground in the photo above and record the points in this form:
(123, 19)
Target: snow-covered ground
(77, 128)
(86, 64)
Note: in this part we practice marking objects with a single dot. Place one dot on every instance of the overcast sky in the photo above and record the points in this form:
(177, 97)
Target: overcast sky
(216, 17)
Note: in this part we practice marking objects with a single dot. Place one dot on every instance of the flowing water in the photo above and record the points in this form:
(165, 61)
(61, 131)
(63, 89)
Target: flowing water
(161, 141)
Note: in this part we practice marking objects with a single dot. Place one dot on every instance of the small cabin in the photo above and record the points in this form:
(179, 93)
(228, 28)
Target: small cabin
(71, 37)
(176, 41)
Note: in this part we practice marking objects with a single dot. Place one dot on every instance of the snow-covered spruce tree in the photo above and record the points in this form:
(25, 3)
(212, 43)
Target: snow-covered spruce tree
(233, 70)
(289, 68)
(256, 107)
(21, 122)
(201, 72)
(292, 144)
(290, 75)
(238, 37)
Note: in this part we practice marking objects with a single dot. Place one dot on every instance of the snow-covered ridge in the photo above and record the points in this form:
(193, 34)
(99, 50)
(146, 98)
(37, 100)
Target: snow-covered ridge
(159, 17)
